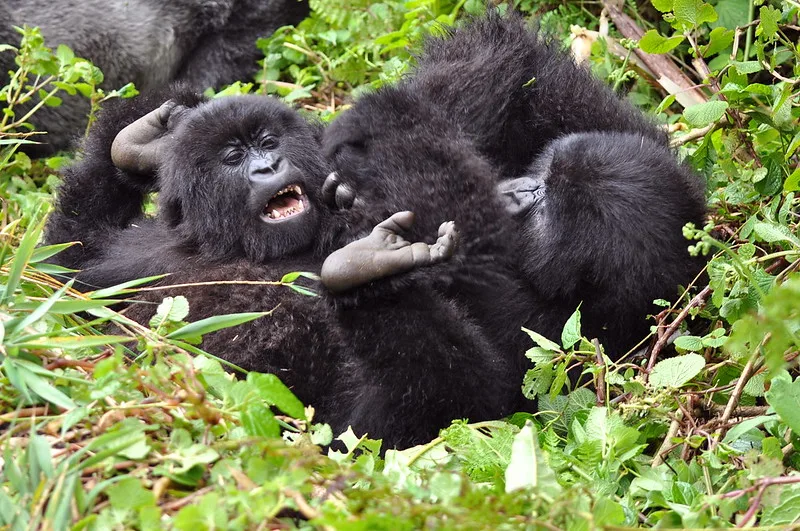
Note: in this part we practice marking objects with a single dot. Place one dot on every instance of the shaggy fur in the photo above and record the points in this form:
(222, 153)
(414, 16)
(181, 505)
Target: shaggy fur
(550, 213)
(204, 43)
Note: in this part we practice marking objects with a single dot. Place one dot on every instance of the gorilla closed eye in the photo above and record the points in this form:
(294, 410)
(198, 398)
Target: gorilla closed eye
(268, 142)
(233, 156)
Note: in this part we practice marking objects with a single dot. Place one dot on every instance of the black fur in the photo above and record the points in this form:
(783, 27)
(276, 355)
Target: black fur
(203, 43)
(557, 200)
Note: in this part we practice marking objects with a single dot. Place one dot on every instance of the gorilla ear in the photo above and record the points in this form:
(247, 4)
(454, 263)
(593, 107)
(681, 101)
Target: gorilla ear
(173, 212)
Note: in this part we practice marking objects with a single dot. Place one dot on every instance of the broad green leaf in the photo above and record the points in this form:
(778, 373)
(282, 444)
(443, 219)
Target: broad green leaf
(653, 42)
(772, 232)
(528, 467)
(784, 397)
(663, 6)
(747, 67)
(542, 341)
(783, 511)
(275, 392)
(571, 333)
(129, 493)
(692, 343)
(692, 13)
(746, 425)
(706, 113)
(792, 183)
(259, 421)
(674, 372)
(172, 310)
(212, 324)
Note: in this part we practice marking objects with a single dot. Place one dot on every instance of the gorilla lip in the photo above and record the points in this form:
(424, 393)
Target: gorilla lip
(287, 203)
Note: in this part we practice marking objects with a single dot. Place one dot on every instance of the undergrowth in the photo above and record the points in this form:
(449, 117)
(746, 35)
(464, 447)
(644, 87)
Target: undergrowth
(697, 428)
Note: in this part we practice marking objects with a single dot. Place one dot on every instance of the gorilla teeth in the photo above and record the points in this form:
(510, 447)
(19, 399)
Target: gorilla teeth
(286, 203)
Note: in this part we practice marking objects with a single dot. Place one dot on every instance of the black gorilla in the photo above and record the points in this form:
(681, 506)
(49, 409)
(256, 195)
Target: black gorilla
(391, 355)
(204, 43)
(572, 214)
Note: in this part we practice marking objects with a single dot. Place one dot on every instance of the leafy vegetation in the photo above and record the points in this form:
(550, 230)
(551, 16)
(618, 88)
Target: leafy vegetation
(137, 428)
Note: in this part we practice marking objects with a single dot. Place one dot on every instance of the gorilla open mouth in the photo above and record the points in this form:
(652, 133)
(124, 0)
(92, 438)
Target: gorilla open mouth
(288, 203)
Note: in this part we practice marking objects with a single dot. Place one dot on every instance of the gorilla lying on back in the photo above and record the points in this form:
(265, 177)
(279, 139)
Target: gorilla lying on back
(203, 43)
(239, 198)
(392, 351)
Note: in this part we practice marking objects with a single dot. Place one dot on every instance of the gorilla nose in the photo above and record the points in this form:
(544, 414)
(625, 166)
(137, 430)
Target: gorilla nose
(265, 168)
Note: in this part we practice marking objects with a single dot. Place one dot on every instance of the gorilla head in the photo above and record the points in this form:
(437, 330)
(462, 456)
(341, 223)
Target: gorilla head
(242, 178)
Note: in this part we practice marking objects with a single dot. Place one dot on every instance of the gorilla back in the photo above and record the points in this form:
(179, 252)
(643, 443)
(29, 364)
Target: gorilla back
(204, 43)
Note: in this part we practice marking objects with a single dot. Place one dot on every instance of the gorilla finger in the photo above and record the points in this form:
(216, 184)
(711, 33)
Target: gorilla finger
(345, 196)
(163, 113)
(446, 227)
(445, 247)
(420, 254)
(329, 189)
(396, 223)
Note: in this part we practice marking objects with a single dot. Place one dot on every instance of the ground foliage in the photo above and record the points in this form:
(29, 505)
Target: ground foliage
(141, 430)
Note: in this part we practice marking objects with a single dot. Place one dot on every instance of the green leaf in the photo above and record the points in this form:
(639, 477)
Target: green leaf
(274, 392)
(768, 26)
(528, 467)
(259, 421)
(122, 289)
(706, 113)
(773, 232)
(571, 333)
(128, 493)
(674, 372)
(784, 397)
(24, 252)
(653, 42)
(663, 6)
(212, 324)
(171, 310)
(747, 67)
(692, 13)
(542, 341)
(692, 343)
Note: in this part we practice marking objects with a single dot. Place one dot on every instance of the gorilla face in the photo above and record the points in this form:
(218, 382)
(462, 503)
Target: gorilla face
(244, 179)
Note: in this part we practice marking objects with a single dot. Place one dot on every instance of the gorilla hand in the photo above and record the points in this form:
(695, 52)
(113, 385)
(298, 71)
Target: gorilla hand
(140, 147)
(336, 194)
(385, 252)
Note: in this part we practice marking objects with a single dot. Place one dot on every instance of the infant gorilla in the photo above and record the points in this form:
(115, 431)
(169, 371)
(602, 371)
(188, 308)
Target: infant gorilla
(405, 339)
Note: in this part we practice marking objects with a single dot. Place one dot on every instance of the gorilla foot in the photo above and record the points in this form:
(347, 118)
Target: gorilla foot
(384, 252)
(522, 195)
(140, 147)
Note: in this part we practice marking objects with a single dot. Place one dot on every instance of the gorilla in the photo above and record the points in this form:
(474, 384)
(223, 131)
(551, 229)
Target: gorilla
(410, 330)
(241, 198)
(204, 43)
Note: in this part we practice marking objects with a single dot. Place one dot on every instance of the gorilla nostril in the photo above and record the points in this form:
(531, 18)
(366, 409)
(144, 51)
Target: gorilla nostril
(265, 167)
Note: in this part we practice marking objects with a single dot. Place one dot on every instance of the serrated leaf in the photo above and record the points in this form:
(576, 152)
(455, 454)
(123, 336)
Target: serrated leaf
(274, 392)
(784, 397)
(747, 67)
(706, 113)
(171, 309)
(768, 25)
(653, 42)
(772, 232)
(674, 372)
(692, 343)
(692, 13)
